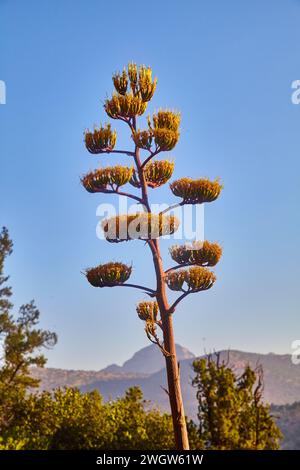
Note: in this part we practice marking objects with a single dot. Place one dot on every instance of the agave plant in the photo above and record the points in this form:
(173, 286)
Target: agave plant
(134, 88)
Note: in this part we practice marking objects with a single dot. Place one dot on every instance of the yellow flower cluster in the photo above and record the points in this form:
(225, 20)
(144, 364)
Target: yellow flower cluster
(126, 104)
(141, 82)
(164, 132)
(115, 176)
(165, 139)
(101, 140)
(140, 226)
(108, 275)
(147, 87)
(166, 119)
(156, 173)
(200, 253)
(196, 191)
(147, 311)
(125, 107)
(143, 139)
(132, 73)
(121, 82)
(197, 279)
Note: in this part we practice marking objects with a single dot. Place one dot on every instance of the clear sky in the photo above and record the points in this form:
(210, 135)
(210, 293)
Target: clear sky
(228, 67)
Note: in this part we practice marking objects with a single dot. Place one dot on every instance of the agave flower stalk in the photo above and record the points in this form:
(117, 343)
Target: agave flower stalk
(134, 88)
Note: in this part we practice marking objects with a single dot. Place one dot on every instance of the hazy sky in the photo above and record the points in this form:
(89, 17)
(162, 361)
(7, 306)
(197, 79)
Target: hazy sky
(228, 66)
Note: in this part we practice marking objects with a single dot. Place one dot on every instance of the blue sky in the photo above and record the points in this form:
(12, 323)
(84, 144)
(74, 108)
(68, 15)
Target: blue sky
(228, 67)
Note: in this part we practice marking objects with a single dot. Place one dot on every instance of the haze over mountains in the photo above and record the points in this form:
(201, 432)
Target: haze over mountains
(146, 369)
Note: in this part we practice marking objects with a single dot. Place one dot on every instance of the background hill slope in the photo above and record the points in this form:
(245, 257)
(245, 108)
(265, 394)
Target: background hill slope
(146, 369)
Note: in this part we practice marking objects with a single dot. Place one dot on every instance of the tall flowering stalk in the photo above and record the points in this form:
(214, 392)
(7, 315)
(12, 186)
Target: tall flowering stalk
(134, 88)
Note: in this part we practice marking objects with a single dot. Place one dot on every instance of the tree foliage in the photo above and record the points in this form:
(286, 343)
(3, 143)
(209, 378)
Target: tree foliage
(231, 412)
(69, 419)
(20, 343)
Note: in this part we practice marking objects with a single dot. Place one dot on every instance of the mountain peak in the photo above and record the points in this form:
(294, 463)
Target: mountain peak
(148, 360)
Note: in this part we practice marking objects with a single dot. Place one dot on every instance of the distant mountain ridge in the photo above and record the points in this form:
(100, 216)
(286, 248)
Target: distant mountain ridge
(146, 369)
